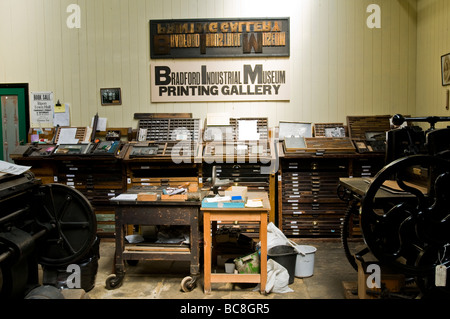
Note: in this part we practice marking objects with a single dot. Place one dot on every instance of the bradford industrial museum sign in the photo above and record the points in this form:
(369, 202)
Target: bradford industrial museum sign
(220, 80)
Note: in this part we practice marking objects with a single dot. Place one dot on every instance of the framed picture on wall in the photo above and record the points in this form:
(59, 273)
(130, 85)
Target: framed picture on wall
(445, 64)
(111, 96)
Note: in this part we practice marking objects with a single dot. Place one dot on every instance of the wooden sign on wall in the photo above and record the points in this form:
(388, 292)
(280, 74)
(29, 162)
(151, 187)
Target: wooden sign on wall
(219, 38)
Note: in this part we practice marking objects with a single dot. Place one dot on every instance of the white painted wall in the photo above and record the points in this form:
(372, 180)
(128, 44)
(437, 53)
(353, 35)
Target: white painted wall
(339, 66)
(433, 36)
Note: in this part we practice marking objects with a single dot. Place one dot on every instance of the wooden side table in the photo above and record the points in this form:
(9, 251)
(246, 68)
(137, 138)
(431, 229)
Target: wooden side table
(213, 215)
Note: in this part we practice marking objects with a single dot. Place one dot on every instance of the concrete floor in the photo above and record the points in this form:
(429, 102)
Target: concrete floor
(161, 280)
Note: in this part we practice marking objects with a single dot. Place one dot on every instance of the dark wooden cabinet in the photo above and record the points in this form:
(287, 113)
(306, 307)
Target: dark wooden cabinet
(308, 202)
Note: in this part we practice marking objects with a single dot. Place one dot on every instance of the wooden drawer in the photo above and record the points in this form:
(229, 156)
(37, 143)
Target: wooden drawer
(367, 167)
(309, 165)
(169, 181)
(101, 196)
(318, 224)
(106, 225)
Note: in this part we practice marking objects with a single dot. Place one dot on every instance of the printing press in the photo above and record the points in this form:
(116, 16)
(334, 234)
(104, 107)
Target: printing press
(403, 211)
(52, 225)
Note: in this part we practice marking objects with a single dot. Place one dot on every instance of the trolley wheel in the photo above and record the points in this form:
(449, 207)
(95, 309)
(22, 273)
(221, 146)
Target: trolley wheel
(188, 284)
(113, 281)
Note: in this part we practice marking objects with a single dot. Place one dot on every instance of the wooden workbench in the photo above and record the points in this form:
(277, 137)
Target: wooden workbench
(210, 218)
(170, 213)
(359, 187)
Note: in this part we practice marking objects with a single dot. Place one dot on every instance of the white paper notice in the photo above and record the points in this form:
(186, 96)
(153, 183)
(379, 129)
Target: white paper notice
(62, 118)
(9, 168)
(248, 130)
(101, 124)
(41, 109)
(218, 119)
(67, 135)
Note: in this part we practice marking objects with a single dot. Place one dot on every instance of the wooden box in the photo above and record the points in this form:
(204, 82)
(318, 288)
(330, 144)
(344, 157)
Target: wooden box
(177, 197)
(318, 145)
(46, 133)
(320, 129)
(147, 197)
(192, 187)
(358, 126)
(390, 280)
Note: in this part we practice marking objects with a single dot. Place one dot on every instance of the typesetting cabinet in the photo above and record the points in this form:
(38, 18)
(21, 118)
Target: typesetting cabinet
(242, 159)
(308, 202)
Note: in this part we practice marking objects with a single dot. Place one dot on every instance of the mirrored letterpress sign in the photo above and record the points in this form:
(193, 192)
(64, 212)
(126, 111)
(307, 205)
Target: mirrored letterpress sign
(214, 38)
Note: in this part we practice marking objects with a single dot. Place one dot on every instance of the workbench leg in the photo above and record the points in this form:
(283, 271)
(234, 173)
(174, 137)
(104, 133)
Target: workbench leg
(263, 259)
(120, 246)
(115, 280)
(195, 243)
(207, 240)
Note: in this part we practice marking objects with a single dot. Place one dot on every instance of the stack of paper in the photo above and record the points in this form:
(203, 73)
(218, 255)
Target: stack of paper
(254, 203)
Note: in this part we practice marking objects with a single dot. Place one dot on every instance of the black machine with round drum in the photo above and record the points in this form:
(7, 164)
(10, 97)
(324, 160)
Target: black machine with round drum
(51, 225)
(404, 211)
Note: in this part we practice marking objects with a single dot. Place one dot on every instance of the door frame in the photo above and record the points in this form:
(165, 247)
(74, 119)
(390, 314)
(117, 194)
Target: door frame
(25, 88)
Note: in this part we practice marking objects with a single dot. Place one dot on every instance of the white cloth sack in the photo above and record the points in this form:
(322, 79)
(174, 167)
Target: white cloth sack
(277, 278)
(275, 237)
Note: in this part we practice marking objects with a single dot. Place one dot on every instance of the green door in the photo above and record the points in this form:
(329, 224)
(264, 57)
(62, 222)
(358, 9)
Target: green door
(15, 122)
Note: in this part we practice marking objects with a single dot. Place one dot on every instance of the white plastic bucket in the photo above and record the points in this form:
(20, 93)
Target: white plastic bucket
(230, 266)
(304, 266)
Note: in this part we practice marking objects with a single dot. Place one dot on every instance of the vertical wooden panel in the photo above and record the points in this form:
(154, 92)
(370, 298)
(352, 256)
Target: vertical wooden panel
(319, 61)
(349, 79)
(32, 76)
(179, 9)
(403, 57)
(377, 64)
(368, 67)
(432, 43)
(333, 53)
(99, 44)
(18, 48)
(85, 89)
(39, 33)
(193, 9)
(92, 94)
(359, 67)
(386, 26)
(395, 56)
(306, 61)
(143, 58)
(4, 7)
(412, 57)
(341, 56)
(59, 52)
